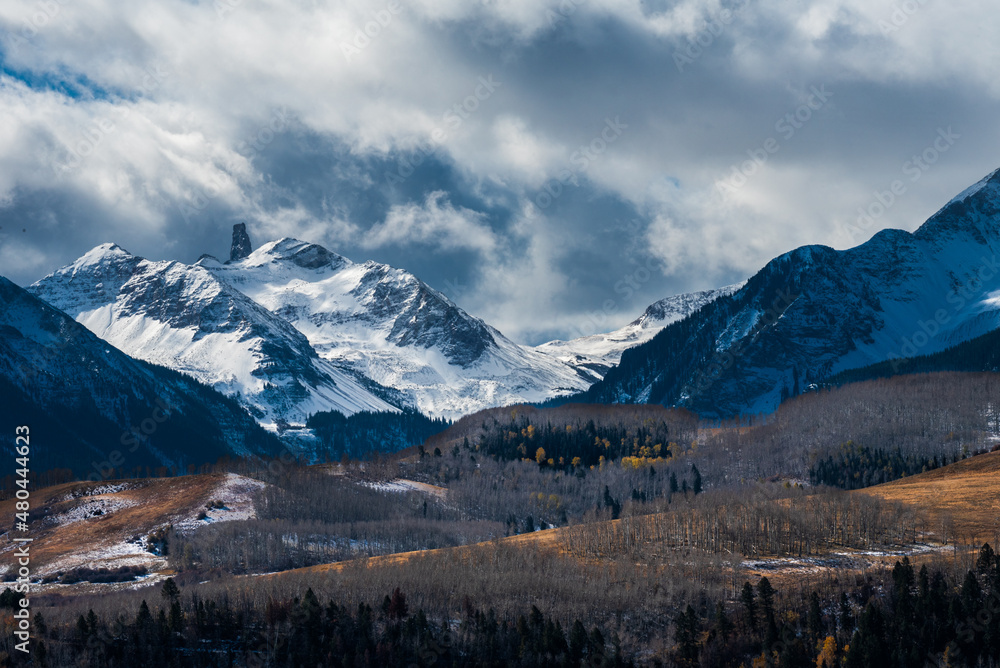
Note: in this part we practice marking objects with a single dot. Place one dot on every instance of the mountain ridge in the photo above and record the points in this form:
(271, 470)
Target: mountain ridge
(814, 312)
(181, 316)
(92, 406)
(388, 325)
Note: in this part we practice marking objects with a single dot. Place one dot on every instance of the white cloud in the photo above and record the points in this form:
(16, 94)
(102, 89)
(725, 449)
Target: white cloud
(195, 85)
(436, 223)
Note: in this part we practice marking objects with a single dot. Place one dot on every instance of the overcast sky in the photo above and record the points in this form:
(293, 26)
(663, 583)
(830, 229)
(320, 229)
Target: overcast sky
(553, 166)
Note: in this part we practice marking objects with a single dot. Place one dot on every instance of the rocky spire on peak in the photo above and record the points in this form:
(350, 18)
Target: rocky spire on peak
(241, 243)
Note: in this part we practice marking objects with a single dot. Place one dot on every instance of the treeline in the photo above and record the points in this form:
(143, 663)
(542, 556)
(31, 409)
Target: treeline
(924, 416)
(302, 631)
(903, 616)
(310, 515)
(752, 523)
(368, 432)
(573, 437)
(572, 429)
(909, 618)
(855, 466)
(523, 494)
(979, 354)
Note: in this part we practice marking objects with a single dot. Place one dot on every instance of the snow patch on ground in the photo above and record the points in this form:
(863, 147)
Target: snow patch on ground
(401, 485)
(851, 559)
(236, 494)
(96, 506)
(114, 555)
(98, 490)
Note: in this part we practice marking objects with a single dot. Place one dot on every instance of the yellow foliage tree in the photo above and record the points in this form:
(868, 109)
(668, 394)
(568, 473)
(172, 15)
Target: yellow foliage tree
(828, 654)
(540, 455)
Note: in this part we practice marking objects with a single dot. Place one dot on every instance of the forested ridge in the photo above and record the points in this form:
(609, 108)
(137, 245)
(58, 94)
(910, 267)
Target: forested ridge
(903, 616)
(577, 535)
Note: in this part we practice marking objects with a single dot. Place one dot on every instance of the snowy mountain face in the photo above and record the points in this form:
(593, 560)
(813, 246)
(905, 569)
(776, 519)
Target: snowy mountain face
(597, 353)
(85, 400)
(815, 311)
(388, 326)
(183, 317)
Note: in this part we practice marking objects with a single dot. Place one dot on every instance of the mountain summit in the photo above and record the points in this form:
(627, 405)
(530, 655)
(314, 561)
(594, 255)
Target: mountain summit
(183, 317)
(292, 328)
(595, 354)
(241, 243)
(389, 326)
(816, 311)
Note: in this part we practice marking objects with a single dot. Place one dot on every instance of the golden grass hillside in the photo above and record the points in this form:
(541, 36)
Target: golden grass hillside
(961, 500)
(102, 524)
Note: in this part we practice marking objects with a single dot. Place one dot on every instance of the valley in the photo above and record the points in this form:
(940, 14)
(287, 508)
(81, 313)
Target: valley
(292, 459)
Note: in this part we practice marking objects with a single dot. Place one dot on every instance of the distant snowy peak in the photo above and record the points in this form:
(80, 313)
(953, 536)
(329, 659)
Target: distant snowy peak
(597, 353)
(671, 309)
(970, 217)
(332, 300)
(184, 317)
(389, 326)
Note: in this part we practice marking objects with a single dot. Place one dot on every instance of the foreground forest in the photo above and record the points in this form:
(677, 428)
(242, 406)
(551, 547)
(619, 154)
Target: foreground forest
(897, 617)
(572, 536)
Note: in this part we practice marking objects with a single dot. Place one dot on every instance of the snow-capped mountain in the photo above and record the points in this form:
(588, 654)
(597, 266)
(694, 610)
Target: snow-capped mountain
(90, 407)
(389, 326)
(815, 311)
(597, 353)
(181, 316)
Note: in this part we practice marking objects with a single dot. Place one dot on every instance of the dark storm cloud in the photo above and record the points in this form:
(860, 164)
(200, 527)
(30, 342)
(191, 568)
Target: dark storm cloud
(532, 160)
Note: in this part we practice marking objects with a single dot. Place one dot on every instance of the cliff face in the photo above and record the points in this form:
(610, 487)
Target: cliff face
(241, 243)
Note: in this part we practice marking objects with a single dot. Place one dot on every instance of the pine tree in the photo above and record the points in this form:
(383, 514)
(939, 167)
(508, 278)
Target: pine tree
(815, 619)
(170, 591)
(577, 641)
(765, 592)
(686, 634)
(846, 614)
(398, 609)
(749, 605)
(723, 626)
